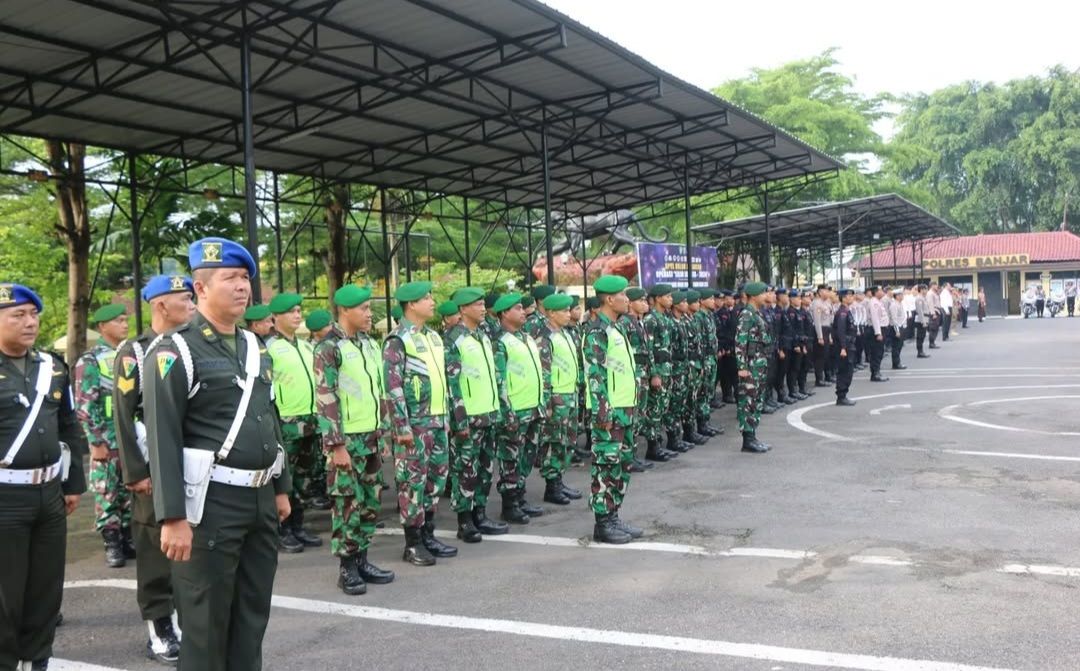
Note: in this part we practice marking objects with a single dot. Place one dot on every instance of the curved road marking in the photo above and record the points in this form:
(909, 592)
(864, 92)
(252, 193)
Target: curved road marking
(878, 411)
(795, 417)
(949, 413)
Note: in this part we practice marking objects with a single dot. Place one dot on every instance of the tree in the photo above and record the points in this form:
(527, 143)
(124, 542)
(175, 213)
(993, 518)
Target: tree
(67, 162)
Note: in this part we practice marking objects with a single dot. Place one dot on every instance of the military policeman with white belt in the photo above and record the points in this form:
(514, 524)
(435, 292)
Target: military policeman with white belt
(220, 484)
(40, 438)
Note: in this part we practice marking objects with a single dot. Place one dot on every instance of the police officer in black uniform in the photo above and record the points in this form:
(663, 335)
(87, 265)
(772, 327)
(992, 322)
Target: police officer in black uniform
(845, 337)
(40, 438)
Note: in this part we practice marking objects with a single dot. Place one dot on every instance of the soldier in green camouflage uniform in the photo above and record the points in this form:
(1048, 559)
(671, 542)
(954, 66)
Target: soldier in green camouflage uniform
(474, 414)
(611, 397)
(752, 345)
(93, 378)
(710, 347)
(415, 376)
(659, 331)
(352, 412)
(696, 357)
(559, 354)
(578, 455)
(294, 395)
(634, 328)
(680, 373)
(522, 401)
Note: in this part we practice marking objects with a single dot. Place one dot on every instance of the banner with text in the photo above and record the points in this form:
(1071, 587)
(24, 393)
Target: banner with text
(660, 263)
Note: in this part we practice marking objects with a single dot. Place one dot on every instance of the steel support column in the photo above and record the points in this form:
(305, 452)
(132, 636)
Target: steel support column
(840, 244)
(385, 252)
(136, 241)
(468, 250)
(768, 239)
(277, 236)
(250, 208)
(689, 233)
(895, 278)
(548, 245)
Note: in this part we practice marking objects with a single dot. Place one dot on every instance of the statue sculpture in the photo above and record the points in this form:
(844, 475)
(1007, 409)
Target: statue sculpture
(620, 225)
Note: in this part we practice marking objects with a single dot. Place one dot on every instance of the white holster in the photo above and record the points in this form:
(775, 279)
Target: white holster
(197, 467)
(140, 440)
(65, 461)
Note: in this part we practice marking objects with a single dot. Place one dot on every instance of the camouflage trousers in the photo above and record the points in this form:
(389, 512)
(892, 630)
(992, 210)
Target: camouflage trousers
(687, 410)
(299, 437)
(679, 397)
(751, 391)
(613, 452)
(472, 467)
(707, 388)
(656, 410)
(112, 501)
(516, 451)
(558, 436)
(641, 417)
(420, 470)
(354, 491)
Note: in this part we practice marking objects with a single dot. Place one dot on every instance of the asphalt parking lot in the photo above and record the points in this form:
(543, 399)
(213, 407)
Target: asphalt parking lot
(932, 526)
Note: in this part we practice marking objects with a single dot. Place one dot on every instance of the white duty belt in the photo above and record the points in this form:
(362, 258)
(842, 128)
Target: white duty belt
(31, 476)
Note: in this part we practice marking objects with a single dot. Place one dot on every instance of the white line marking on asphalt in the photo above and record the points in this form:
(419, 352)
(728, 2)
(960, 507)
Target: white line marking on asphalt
(795, 417)
(949, 413)
(1036, 569)
(684, 644)
(1004, 455)
(877, 560)
(71, 665)
(878, 411)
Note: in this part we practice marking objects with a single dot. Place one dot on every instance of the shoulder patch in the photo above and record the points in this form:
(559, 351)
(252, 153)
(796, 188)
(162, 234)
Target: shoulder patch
(165, 361)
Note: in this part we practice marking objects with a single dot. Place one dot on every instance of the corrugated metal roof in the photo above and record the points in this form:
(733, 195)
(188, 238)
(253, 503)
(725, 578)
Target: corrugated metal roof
(871, 220)
(1041, 247)
(435, 95)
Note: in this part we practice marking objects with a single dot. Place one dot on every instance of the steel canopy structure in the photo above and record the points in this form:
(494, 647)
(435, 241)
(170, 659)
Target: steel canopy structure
(870, 221)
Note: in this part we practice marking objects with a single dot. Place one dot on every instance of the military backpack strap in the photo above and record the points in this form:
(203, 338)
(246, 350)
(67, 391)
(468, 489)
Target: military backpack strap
(41, 389)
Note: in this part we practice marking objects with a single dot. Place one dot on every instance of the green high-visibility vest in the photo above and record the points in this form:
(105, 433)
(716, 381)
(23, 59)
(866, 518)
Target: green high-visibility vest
(359, 385)
(477, 380)
(294, 379)
(524, 379)
(564, 364)
(105, 363)
(425, 358)
(621, 376)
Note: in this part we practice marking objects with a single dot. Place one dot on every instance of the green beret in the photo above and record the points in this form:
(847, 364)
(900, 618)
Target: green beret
(558, 302)
(575, 300)
(256, 312)
(447, 309)
(506, 302)
(692, 295)
(467, 295)
(592, 302)
(542, 291)
(351, 295)
(658, 290)
(320, 319)
(678, 296)
(706, 293)
(107, 313)
(610, 284)
(755, 288)
(526, 301)
(397, 313)
(412, 291)
(284, 302)
(635, 293)
(490, 299)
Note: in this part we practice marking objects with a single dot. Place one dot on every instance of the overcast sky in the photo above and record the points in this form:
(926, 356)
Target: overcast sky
(898, 47)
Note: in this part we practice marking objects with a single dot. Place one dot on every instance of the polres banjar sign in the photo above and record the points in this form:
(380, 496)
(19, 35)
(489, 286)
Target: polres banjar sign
(977, 262)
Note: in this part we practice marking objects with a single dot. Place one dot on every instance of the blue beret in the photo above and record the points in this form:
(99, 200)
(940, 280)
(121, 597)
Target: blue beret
(159, 285)
(16, 294)
(220, 253)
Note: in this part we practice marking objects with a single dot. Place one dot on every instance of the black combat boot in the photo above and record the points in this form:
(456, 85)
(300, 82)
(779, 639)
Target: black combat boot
(128, 542)
(691, 436)
(730, 399)
(553, 493)
(296, 521)
(638, 466)
(674, 444)
(528, 508)
(40, 665)
(605, 531)
(349, 580)
(487, 526)
(371, 573)
(433, 544)
(627, 528)
(163, 645)
(750, 443)
(114, 548)
(704, 429)
(511, 510)
(287, 541)
(655, 453)
(466, 528)
(569, 492)
(415, 552)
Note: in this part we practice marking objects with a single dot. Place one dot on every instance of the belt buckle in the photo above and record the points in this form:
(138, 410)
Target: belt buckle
(37, 476)
(261, 478)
